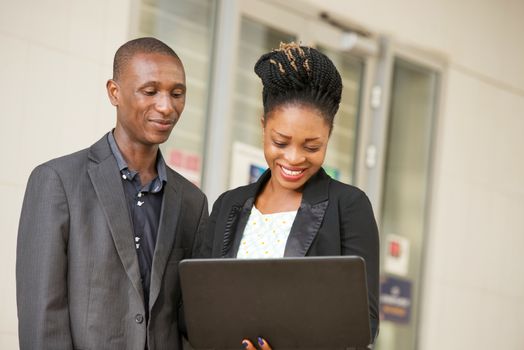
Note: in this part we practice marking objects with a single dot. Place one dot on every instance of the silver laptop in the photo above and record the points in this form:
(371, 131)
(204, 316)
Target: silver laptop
(294, 303)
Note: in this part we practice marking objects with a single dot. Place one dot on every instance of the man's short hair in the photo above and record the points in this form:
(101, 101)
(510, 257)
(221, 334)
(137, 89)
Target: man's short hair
(141, 45)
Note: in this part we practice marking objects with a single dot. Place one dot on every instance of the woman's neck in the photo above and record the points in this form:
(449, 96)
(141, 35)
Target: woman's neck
(275, 199)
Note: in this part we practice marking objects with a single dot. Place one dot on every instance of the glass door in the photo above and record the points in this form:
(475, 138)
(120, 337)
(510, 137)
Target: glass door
(412, 111)
(247, 159)
(187, 26)
(340, 157)
(260, 33)
(255, 40)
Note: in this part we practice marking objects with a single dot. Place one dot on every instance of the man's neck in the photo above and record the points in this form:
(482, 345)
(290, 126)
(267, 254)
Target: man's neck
(139, 157)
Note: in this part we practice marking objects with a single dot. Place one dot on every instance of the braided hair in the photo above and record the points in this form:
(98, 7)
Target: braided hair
(300, 75)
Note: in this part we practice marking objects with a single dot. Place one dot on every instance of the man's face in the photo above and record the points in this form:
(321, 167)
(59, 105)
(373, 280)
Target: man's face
(150, 96)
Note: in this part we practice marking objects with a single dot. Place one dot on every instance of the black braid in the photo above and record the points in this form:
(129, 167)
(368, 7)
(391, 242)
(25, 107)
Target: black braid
(296, 74)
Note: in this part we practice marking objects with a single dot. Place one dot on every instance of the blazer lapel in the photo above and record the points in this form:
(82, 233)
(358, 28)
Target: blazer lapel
(239, 215)
(305, 227)
(169, 217)
(231, 244)
(309, 216)
(105, 177)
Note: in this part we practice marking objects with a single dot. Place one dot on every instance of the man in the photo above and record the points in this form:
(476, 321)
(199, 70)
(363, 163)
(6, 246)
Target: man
(102, 230)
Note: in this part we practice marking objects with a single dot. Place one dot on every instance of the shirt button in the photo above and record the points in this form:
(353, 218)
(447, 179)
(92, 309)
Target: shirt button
(139, 318)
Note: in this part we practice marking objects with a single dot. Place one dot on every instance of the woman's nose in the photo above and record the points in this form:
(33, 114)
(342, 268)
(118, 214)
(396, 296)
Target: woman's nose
(294, 156)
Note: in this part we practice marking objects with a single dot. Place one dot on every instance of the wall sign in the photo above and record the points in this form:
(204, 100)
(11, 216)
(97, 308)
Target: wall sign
(188, 164)
(397, 255)
(247, 164)
(395, 300)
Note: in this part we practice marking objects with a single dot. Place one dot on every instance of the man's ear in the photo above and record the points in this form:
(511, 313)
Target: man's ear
(113, 91)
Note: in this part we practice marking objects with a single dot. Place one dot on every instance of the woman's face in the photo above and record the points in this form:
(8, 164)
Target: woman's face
(295, 143)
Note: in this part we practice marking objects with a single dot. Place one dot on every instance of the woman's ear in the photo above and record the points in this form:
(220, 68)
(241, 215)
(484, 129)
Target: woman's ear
(263, 124)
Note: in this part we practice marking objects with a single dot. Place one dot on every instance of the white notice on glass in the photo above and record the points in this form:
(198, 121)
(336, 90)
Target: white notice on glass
(397, 255)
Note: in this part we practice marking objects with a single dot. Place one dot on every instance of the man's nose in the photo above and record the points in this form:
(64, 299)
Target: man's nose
(165, 103)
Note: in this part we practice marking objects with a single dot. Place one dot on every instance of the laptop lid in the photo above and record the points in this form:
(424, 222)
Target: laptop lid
(294, 303)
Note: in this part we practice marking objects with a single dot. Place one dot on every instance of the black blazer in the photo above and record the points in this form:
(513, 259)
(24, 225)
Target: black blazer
(333, 219)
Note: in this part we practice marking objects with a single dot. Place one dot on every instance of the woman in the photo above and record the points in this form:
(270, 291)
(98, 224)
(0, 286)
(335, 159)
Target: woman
(295, 208)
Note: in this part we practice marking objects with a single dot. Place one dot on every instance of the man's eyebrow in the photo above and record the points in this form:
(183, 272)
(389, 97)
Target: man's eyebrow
(150, 83)
(180, 86)
(157, 83)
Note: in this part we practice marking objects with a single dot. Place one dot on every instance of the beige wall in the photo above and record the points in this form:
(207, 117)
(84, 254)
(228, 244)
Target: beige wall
(474, 280)
(474, 295)
(481, 36)
(56, 56)
(54, 62)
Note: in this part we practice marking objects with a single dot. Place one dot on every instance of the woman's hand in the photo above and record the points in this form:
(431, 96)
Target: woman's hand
(262, 344)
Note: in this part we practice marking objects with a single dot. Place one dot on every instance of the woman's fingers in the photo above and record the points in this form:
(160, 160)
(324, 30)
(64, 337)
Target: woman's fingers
(247, 345)
(262, 344)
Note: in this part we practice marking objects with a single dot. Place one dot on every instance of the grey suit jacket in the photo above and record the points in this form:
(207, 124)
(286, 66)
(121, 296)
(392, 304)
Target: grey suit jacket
(77, 275)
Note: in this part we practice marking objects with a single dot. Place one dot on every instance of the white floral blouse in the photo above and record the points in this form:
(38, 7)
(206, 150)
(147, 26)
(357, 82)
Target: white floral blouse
(265, 235)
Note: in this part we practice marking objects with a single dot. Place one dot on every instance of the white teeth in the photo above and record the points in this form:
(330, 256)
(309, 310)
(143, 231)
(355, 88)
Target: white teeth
(291, 172)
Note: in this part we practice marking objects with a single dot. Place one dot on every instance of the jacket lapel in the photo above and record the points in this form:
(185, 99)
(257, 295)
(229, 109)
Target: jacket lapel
(309, 216)
(231, 244)
(305, 227)
(169, 217)
(104, 174)
(239, 215)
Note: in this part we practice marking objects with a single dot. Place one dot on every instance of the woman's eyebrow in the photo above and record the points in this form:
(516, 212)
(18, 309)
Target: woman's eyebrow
(281, 135)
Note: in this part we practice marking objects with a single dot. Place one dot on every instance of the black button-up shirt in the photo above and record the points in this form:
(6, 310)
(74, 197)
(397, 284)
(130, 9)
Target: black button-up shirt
(145, 204)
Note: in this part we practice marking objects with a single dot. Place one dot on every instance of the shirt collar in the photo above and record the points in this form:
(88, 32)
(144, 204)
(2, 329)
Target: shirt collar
(156, 186)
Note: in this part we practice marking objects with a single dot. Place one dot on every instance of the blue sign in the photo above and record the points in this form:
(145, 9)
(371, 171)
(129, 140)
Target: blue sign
(395, 300)
(255, 171)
